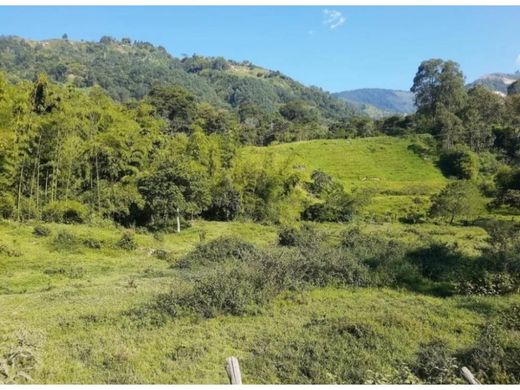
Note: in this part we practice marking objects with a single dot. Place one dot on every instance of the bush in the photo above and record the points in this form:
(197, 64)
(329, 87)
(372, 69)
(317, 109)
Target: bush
(458, 199)
(487, 357)
(218, 250)
(65, 241)
(8, 251)
(440, 262)
(235, 288)
(435, 364)
(127, 242)
(288, 236)
(488, 283)
(304, 237)
(65, 212)
(7, 205)
(328, 267)
(510, 317)
(28, 209)
(161, 254)
(321, 352)
(93, 243)
(41, 231)
(459, 162)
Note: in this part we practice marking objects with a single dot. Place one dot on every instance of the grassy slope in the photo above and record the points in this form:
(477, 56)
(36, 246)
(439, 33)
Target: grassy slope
(71, 302)
(382, 163)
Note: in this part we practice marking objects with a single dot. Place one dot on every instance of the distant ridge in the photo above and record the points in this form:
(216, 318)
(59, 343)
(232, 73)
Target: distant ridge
(377, 102)
(127, 70)
(497, 82)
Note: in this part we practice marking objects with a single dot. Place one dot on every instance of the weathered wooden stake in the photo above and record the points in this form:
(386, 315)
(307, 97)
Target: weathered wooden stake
(469, 376)
(233, 371)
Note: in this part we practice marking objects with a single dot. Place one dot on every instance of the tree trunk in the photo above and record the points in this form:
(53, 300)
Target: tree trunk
(19, 194)
(97, 185)
(178, 221)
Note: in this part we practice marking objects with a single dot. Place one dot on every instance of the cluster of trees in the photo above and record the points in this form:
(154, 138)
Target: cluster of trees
(68, 154)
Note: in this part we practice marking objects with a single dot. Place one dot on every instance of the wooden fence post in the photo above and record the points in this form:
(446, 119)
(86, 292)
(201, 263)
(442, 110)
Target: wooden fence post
(469, 376)
(233, 371)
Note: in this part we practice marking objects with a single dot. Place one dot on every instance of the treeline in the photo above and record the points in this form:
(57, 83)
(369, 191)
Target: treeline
(475, 132)
(69, 155)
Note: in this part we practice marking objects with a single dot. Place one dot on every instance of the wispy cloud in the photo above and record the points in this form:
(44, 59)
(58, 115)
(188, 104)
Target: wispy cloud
(333, 19)
(518, 60)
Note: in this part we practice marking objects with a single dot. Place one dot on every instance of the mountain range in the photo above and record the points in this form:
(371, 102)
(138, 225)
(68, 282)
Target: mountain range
(128, 69)
(497, 82)
(377, 102)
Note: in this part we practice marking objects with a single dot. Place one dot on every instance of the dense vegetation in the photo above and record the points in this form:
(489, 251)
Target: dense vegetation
(389, 246)
(127, 69)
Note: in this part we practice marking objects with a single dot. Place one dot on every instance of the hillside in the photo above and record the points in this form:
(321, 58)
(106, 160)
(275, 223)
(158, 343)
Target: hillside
(384, 163)
(127, 69)
(497, 82)
(399, 178)
(377, 102)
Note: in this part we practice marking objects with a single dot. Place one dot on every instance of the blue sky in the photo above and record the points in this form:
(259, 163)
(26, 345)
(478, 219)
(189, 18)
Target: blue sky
(336, 48)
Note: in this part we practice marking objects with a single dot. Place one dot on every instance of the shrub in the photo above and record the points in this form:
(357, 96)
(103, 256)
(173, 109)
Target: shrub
(93, 243)
(162, 254)
(322, 352)
(435, 364)
(288, 236)
(328, 267)
(235, 289)
(486, 358)
(7, 205)
(41, 231)
(488, 283)
(440, 262)
(65, 212)
(510, 317)
(421, 149)
(304, 237)
(459, 162)
(218, 250)
(28, 209)
(127, 242)
(65, 241)
(8, 251)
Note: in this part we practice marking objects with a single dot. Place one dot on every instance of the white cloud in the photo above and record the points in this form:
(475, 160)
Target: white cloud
(518, 60)
(333, 18)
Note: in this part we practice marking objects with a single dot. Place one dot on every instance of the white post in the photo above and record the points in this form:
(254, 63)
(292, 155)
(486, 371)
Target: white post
(469, 376)
(233, 371)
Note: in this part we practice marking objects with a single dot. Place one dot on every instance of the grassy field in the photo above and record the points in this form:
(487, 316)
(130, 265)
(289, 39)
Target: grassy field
(69, 305)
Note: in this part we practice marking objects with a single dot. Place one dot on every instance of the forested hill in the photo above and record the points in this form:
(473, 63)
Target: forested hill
(377, 102)
(127, 69)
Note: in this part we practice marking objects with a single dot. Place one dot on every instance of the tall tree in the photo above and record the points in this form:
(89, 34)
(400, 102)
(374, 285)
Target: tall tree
(439, 96)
